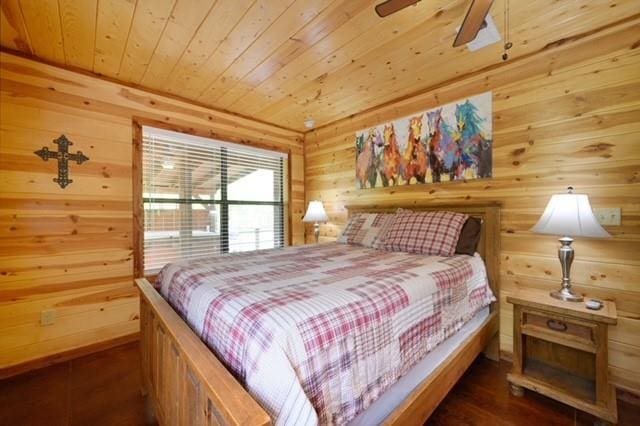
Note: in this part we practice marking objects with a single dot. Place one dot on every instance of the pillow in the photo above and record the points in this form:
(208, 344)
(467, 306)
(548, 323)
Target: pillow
(366, 229)
(432, 233)
(469, 236)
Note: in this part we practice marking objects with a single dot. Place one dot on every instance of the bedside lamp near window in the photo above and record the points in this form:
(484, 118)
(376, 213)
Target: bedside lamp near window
(315, 213)
(569, 215)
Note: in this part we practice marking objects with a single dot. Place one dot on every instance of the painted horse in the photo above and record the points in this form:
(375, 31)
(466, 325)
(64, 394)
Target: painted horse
(391, 163)
(415, 162)
(443, 151)
(365, 163)
(475, 149)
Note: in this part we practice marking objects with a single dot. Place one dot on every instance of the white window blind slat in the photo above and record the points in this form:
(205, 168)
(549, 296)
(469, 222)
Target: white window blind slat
(203, 197)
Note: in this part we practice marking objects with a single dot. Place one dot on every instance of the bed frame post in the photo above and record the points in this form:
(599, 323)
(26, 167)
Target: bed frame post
(491, 222)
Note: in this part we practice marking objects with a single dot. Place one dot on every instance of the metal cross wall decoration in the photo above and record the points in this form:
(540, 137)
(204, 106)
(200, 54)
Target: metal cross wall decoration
(63, 157)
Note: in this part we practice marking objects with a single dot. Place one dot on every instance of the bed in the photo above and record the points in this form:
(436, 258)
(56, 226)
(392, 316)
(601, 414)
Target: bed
(187, 384)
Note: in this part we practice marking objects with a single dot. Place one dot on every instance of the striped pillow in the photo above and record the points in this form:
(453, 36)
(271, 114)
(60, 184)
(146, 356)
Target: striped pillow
(366, 229)
(432, 233)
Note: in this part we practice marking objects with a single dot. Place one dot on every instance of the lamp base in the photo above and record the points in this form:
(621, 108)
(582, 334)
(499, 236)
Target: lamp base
(565, 254)
(567, 295)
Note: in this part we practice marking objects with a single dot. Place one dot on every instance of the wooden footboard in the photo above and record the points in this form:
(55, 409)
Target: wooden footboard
(184, 381)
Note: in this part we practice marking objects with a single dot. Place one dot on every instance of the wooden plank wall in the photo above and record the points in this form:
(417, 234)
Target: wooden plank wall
(568, 115)
(71, 249)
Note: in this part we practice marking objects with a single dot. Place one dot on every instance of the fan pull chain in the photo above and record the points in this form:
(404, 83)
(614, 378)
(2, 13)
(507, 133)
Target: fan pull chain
(507, 44)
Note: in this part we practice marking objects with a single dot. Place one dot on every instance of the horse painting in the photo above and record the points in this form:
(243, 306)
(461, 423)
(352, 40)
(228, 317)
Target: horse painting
(436, 157)
(392, 160)
(365, 164)
(415, 154)
(452, 142)
(474, 147)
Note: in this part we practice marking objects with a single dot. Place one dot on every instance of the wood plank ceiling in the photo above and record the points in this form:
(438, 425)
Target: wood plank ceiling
(281, 61)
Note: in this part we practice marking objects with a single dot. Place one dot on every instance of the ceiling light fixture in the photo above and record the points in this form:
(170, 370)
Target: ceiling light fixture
(309, 123)
(487, 35)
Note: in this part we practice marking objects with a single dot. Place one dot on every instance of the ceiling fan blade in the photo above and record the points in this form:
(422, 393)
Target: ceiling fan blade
(388, 7)
(473, 21)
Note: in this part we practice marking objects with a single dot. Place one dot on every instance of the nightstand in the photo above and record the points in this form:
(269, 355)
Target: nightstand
(560, 351)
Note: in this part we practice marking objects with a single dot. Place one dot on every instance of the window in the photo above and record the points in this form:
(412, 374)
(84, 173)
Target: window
(204, 197)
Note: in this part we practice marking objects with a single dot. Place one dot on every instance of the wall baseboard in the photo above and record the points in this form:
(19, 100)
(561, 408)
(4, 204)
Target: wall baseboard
(37, 363)
(507, 356)
(629, 397)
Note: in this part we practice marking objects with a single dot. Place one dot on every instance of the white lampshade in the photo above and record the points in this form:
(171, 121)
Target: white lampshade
(315, 212)
(569, 215)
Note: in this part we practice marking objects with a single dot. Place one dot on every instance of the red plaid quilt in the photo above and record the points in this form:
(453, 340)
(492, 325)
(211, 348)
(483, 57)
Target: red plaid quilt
(434, 233)
(316, 333)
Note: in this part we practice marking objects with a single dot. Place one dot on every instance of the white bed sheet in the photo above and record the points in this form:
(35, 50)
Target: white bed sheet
(400, 391)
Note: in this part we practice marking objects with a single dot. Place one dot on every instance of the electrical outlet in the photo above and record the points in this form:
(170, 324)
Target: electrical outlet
(608, 216)
(47, 317)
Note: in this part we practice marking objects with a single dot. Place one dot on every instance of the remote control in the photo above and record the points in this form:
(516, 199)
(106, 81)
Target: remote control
(594, 304)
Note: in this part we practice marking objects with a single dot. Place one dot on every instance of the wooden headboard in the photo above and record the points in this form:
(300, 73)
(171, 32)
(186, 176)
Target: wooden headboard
(489, 213)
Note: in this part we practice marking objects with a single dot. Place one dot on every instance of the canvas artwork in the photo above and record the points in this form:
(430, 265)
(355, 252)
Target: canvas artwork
(451, 142)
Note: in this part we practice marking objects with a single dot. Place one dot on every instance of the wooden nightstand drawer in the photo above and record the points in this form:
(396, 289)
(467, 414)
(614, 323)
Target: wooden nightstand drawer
(556, 328)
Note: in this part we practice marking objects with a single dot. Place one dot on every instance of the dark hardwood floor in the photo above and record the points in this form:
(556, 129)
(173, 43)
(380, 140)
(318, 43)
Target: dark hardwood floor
(482, 397)
(98, 389)
(104, 389)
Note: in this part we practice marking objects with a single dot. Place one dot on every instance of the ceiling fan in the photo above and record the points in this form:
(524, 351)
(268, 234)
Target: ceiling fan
(472, 23)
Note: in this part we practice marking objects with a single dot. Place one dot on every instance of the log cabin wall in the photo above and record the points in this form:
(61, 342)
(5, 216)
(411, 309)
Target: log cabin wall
(567, 115)
(71, 250)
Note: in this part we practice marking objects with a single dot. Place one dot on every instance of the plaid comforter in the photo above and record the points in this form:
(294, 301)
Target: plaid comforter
(316, 333)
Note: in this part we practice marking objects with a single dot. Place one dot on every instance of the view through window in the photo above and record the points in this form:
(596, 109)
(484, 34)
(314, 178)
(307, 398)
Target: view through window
(204, 197)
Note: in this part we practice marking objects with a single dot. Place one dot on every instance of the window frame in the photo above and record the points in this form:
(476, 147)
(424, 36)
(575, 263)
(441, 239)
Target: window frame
(281, 238)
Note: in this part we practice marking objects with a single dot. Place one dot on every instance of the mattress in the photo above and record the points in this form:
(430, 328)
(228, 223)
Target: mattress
(318, 333)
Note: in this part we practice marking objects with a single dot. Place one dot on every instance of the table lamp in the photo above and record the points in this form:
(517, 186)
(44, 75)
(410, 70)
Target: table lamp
(315, 213)
(569, 215)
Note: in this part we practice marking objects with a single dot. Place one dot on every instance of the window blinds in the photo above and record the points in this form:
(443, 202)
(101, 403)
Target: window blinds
(203, 197)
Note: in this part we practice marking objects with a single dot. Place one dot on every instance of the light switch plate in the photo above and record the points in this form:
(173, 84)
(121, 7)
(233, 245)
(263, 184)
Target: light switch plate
(47, 317)
(608, 216)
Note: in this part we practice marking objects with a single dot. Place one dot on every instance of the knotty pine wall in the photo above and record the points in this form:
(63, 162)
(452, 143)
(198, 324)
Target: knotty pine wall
(568, 115)
(71, 249)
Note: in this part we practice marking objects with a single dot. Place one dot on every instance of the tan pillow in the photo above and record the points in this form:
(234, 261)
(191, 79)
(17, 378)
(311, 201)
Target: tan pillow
(366, 229)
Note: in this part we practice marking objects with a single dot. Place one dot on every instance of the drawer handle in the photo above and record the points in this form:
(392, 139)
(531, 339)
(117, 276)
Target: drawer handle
(556, 325)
